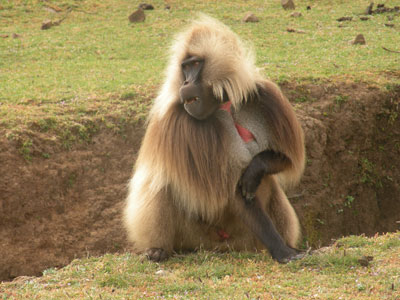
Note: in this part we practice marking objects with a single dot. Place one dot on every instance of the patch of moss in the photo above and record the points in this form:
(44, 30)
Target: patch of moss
(311, 224)
(26, 149)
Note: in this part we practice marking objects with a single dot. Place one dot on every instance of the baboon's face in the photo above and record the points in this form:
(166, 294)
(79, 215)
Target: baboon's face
(196, 96)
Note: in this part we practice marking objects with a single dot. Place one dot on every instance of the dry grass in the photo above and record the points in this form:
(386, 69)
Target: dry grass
(332, 273)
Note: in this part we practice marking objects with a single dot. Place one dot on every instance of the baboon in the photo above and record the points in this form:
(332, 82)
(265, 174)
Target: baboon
(221, 145)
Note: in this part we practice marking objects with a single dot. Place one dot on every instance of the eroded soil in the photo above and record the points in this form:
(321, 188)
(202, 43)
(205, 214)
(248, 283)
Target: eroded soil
(68, 203)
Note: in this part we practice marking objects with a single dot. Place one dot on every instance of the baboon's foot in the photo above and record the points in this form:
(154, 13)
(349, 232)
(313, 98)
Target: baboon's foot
(156, 254)
(295, 255)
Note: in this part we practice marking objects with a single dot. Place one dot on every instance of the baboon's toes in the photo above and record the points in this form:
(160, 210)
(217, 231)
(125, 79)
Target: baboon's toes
(297, 256)
(156, 254)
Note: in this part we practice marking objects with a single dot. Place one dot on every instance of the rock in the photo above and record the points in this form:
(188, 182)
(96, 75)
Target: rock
(16, 35)
(381, 10)
(289, 29)
(364, 18)
(47, 24)
(368, 11)
(167, 6)
(364, 261)
(288, 4)
(250, 17)
(359, 40)
(389, 25)
(344, 19)
(308, 7)
(137, 16)
(161, 272)
(146, 6)
(4, 36)
(296, 14)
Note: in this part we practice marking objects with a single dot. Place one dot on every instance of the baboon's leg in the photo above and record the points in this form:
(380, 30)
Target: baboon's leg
(283, 215)
(150, 224)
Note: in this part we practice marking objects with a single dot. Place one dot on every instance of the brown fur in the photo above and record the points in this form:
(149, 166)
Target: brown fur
(191, 151)
(184, 186)
(286, 133)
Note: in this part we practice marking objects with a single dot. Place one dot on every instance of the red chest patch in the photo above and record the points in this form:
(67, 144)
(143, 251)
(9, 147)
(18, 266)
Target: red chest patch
(245, 134)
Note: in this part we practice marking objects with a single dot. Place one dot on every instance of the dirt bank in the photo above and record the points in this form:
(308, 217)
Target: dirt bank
(64, 204)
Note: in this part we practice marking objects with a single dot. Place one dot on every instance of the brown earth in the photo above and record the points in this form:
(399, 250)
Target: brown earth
(68, 203)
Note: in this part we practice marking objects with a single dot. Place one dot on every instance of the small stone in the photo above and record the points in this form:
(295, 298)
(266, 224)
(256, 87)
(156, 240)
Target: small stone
(16, 35)
(381, 9)
(390, 18)
(308, 7)
(359, 40)
(161, 273)
(289, 29)
(364, 261)
(47, 24)
(250, 17)
(4, 36)
(344, 19)
(296, 14)
(137, 16)
(389, 25)
(364, 18)
(288, 4)
(167, 6)
(146, 6)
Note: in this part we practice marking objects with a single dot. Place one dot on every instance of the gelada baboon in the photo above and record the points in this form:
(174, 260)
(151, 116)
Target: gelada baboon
(220, 146)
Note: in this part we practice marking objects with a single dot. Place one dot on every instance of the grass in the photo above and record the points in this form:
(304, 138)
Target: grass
(332, 273)
(97, 64)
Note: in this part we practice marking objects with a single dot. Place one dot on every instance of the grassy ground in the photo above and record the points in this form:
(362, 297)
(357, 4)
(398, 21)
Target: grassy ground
(333, 273)
(96, 63)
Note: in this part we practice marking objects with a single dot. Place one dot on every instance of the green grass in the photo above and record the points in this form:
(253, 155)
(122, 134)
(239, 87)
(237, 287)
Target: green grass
(96, 56)
(332, 273)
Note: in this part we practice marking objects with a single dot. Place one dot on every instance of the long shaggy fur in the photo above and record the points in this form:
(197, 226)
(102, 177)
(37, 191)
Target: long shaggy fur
(187, 152)
(286, 133)
(230, 64)
(183, 174)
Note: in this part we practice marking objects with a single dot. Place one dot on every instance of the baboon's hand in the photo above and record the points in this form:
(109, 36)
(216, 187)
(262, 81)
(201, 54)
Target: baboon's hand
(249, 183)
(156, 254)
